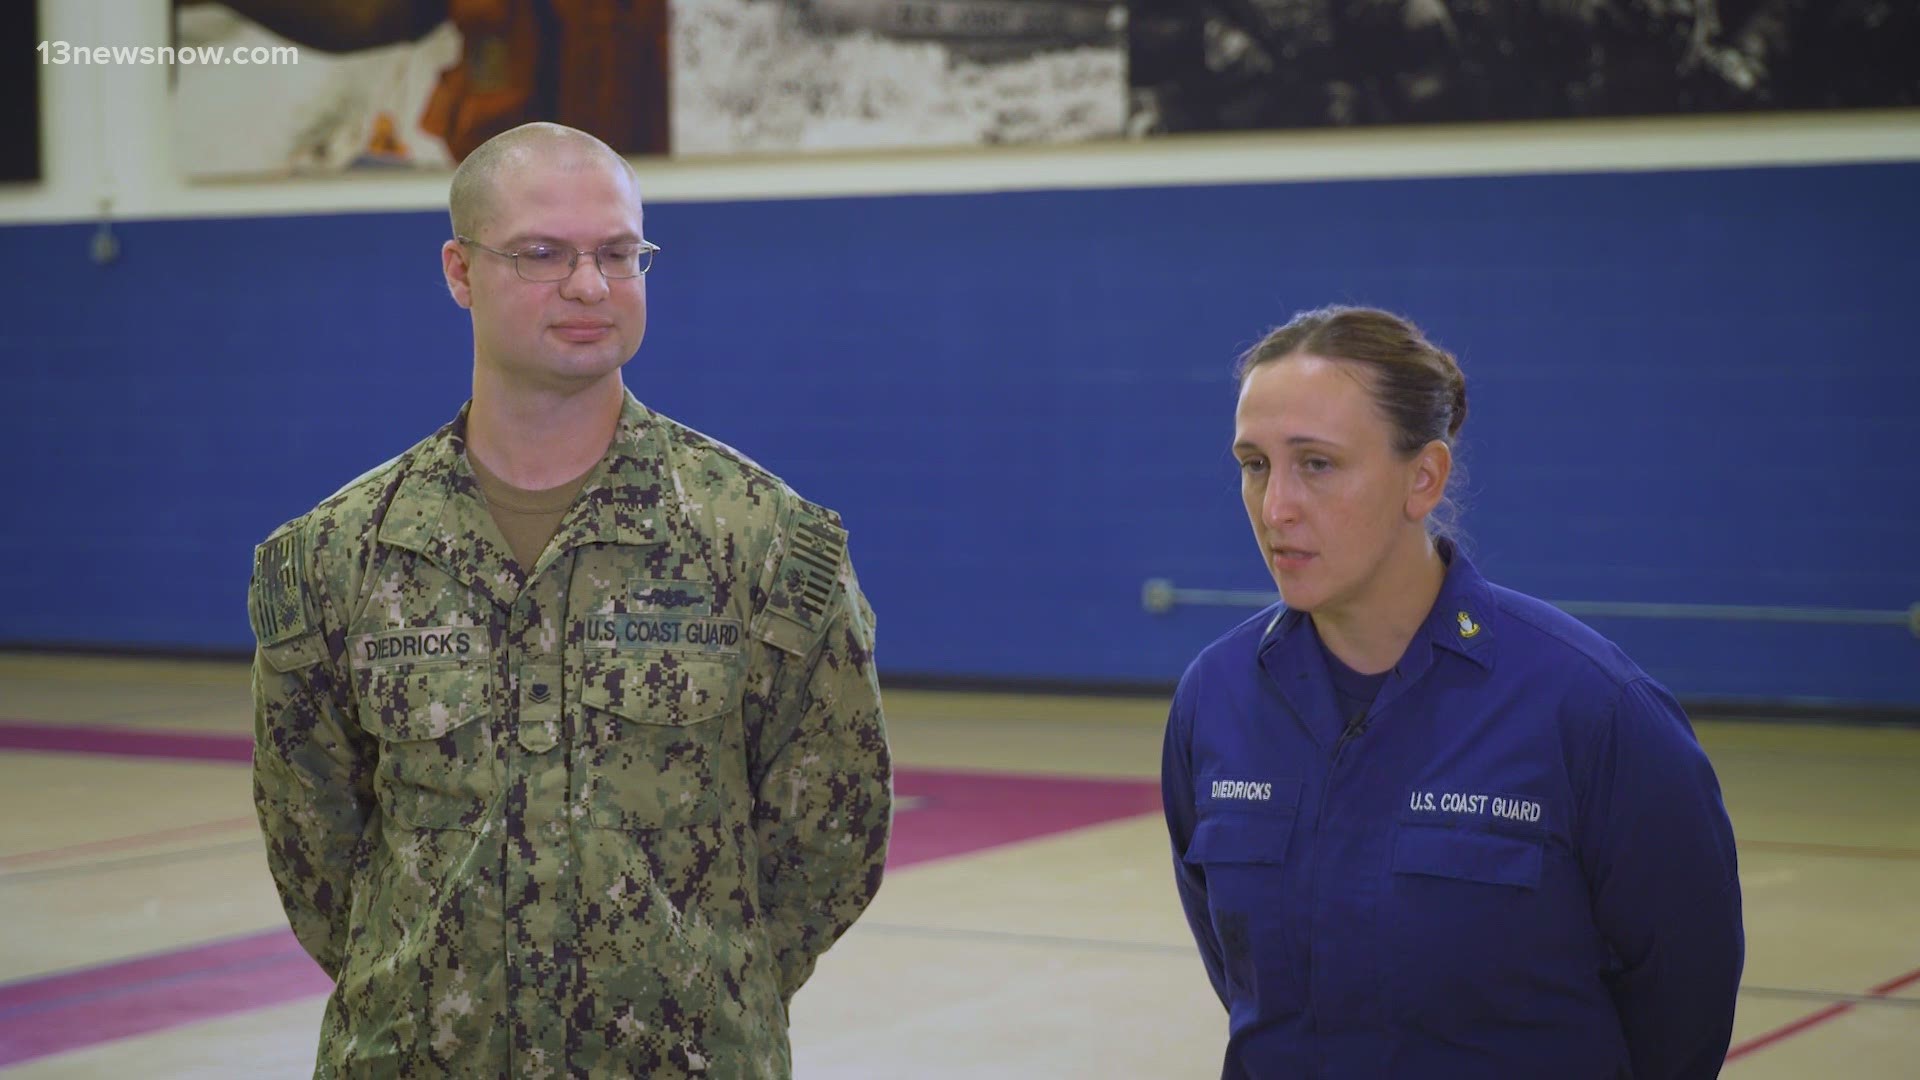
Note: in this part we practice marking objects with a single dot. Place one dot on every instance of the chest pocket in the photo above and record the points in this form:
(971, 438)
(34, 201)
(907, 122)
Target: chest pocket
(437, 763)
(1240, 842)
(1472, 926)
(1463, 855)
(656, 730)
(1225, 837)
(1243, 831)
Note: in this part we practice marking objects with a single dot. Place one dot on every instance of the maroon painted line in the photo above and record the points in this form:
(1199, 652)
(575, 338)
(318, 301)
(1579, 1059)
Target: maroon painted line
(958, 812)
(951, 814)
(964, 813)
(1812, 1020)
(127, 843)
(955, 814)
(1894, 986)
(57, 1013)
(124, 742)
(1787, 1031)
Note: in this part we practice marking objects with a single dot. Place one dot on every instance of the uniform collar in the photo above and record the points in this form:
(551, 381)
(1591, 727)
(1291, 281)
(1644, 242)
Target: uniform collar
(1462, 617)
(1289, 653)
(1458, 622)
(625, 500)
(439, 512)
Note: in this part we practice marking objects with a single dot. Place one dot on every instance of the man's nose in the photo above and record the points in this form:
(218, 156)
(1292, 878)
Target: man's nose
(586, 284)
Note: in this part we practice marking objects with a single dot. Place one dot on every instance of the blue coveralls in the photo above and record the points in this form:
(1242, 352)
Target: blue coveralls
(1517, 864)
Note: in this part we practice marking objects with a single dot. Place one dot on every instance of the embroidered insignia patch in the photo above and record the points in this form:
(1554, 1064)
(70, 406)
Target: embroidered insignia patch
(656, 594)
(809, 572)
(653, 630)
(275, 604)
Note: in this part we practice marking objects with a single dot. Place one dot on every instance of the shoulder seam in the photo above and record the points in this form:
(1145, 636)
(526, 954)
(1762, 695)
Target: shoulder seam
(371, 476)
(1617, 679)
(696, 439)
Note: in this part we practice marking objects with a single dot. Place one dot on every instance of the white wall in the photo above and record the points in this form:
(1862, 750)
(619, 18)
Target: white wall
(107, 144)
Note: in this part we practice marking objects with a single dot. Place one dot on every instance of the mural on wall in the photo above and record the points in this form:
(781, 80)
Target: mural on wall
(415, 83)
(764, 75)
(1246, 64)
(419, 83)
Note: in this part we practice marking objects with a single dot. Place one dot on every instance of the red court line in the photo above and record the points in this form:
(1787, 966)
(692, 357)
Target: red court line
(124, 742)
(957, 812)
(125, 843)
(951, 814)
(137, 997)
(964, 813)
(1812, 1020)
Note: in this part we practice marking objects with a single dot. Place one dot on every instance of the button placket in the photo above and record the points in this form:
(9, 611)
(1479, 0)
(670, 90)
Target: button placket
(539, 727)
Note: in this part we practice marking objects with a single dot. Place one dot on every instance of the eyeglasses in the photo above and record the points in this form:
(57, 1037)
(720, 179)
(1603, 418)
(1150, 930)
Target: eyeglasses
(547, 262)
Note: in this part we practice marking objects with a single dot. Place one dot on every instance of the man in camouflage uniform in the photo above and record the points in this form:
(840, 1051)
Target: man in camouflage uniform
(577, 795)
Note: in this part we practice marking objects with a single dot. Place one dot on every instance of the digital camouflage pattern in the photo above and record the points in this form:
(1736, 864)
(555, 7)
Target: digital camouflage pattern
(599, 819)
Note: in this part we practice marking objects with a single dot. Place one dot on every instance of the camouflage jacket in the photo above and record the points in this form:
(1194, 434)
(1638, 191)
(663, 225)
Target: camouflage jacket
(595, 819)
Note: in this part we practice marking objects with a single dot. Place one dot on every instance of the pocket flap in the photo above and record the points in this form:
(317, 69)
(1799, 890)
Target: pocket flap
(408, 703)
(1240, 838)
(664, 689)
(299, 652)
(1465, 855)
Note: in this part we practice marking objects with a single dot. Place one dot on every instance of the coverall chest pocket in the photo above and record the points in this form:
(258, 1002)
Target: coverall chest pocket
(437, 765)
(655, 728)
(1240, 842)
(1239, 822)
(1467, 855)
(1466, 921)
(1235, 838)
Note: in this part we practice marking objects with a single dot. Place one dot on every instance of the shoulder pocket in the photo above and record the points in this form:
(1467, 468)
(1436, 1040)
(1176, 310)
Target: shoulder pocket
(296, 653)
(1465, 855)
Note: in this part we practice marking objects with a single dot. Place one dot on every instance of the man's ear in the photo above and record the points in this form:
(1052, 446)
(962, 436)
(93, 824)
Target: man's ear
(454, 265)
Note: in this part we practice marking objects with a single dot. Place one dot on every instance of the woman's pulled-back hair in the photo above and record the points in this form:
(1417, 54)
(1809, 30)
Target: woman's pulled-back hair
(1415, 384)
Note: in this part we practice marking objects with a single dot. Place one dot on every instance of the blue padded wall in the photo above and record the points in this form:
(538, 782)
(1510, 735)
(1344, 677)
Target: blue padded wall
(1685, 386)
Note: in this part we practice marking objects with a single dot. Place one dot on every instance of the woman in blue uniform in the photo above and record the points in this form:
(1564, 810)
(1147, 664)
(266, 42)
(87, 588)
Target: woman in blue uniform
(1424, 826)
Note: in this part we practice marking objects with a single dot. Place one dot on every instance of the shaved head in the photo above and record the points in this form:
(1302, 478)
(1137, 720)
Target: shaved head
(471, 200)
